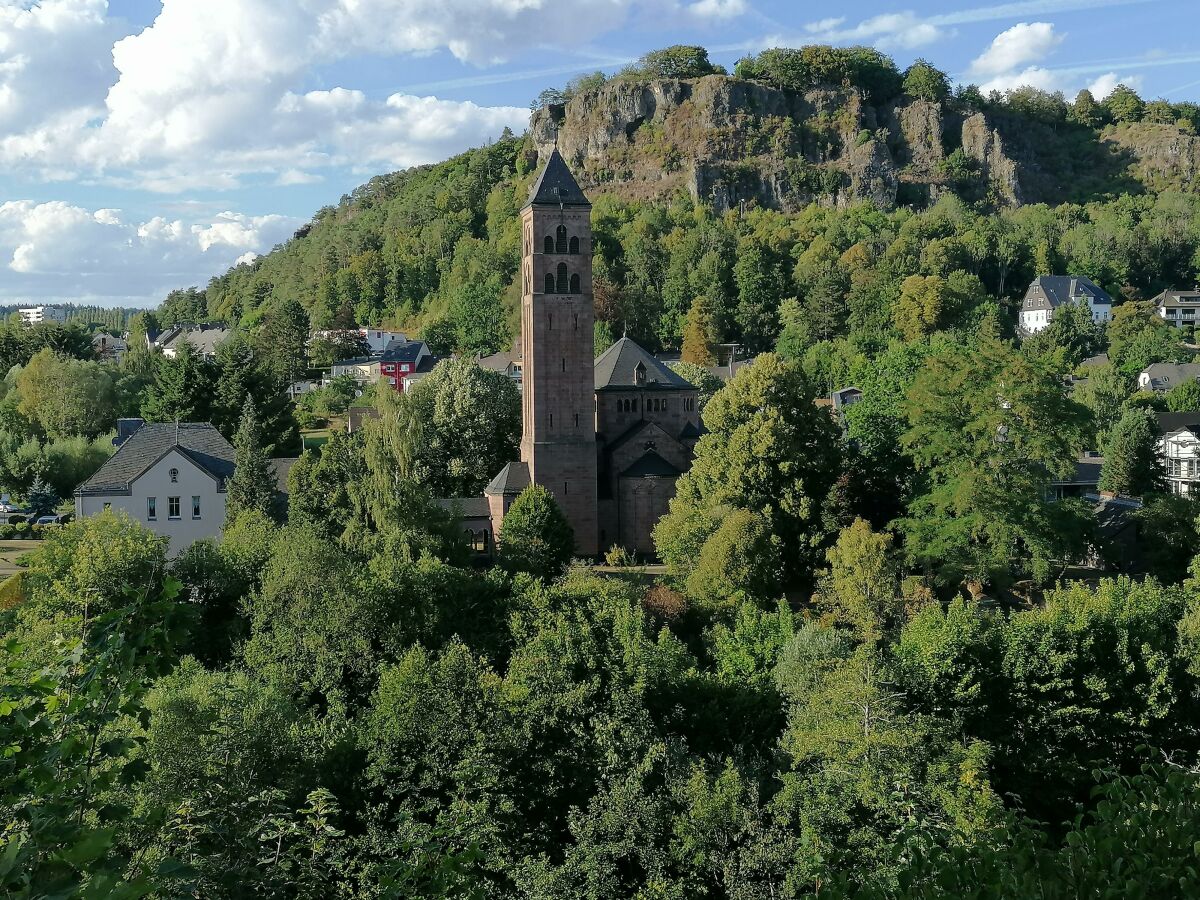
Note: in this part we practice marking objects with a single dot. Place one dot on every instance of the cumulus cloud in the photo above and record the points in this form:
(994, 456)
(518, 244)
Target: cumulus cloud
(214, 90)
(59, 251)
(1019, 56)
(1015, 48)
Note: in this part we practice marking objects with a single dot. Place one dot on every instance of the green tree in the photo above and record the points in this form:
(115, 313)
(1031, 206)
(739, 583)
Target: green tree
(1104, 393)
(699, 335)
(768, 450)
(42, 499)
(678, 61)
(535, 536)
(1131, 462)
(924, 82)
(470, 427)
(861, 586)
(283, 340)
(705, 382)
(65, 396)
(252, 487)
(1086, 111)
(1124, 105)
(1184, 397)
(988, 428)
(182, 390)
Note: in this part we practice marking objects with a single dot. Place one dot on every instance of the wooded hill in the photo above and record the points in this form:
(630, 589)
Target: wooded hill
(691, 169)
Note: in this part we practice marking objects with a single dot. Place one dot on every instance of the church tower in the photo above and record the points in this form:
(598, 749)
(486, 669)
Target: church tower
(558, 384)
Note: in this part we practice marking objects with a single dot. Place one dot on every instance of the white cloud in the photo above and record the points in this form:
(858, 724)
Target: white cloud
(59, 251)
(1104, 85)
(717, 9)
(1016, 48)
(901, 30)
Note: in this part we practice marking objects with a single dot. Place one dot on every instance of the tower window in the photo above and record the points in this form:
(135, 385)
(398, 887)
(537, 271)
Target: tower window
(549, 323)
(549, 245)
(576, 420)
(564, 364)
(574, 245)
(551, 420)
(575, 284)
(549, 281)
(560, 243)
(575, 321)
(564, 284)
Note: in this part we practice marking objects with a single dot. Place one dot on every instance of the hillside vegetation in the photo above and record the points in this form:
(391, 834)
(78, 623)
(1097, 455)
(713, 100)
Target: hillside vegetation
(753, 189)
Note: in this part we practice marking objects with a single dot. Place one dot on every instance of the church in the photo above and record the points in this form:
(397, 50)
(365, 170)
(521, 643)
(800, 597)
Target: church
(607, 436)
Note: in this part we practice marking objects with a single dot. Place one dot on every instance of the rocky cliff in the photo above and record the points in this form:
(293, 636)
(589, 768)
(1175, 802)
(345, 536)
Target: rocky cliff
(731, 141)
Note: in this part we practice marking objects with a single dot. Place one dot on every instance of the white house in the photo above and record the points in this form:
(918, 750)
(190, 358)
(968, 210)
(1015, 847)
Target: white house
(1162, 377)
(36, 315)
(204, 339)
(1179, 450)
(1048, 292)
(171, 478)
(1178, 308)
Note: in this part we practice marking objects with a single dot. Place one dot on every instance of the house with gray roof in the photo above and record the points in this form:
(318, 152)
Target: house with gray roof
(204, 339)
(1163, 377)
(1178, 308)
(171, 478)
(1048, 292)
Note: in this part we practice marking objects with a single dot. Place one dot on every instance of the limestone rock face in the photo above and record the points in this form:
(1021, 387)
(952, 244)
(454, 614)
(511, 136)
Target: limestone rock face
(735, 143)
(985, 145)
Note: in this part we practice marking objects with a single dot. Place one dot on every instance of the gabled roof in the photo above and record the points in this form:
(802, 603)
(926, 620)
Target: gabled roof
(513, 479)
(1060, 289)
(466, 507)
(650, 465)
(617, 369)
(556, 186)
(1164, 376)
(204, 339)
(1170, 422)
(690, 430)
(1190, 299)
(404, 351)
(199, 442)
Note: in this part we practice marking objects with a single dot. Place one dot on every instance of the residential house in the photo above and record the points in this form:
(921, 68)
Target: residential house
(1178, 308)
(107, 347)
(1179, 450)
(358, 416)
(1162, 377)
(1048, 292)
(363, 369)
(204, 339)
(401, 359)
(36, 315)
(507, 363)
(847, 396)
(298, 389)
(171, 478)
(1083, 480)
(379, 340)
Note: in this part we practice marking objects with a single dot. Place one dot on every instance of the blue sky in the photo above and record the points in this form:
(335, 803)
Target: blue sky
(148, 145)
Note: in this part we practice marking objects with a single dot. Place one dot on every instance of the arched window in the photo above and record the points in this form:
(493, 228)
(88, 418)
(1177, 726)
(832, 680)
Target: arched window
(549, 281)
(564, 284)
(174, 476)
(574, 244)
(560, 242)
(549, 246)
(575, 283)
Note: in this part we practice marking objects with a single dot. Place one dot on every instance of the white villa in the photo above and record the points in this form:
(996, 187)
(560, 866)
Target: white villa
(1048, 292)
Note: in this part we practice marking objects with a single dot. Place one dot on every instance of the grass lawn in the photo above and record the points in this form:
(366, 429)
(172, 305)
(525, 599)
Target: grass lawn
(9, 551)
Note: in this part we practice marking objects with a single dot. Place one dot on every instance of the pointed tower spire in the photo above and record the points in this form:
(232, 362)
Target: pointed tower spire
(556, 186)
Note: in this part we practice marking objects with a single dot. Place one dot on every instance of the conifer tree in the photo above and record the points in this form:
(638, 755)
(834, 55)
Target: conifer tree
(43, 501)
(252, 486)
(1131, 464)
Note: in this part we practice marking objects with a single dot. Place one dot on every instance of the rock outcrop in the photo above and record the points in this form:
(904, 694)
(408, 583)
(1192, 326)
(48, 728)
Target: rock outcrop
(735, 142)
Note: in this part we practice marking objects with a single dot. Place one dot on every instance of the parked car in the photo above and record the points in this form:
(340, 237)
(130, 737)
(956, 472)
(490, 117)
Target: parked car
(47, 520)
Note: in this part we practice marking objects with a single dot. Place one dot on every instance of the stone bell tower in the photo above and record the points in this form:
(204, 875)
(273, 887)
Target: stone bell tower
(558, 384)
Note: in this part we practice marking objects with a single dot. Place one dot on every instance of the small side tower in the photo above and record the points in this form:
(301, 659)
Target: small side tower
(559, 406)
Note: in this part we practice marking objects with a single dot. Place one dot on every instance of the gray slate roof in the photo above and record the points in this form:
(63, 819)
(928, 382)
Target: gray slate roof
(513, 479)
(466, 507)
(1060, 289)
(1165, 376)
(616, 369)
(556, 185)
(200, 442)
(403, 351)
(1189, 299)
(1174, 421)
(203, 339)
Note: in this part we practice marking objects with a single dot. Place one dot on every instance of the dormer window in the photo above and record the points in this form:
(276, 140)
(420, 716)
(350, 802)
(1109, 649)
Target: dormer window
(639, 374)
(174, 473)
